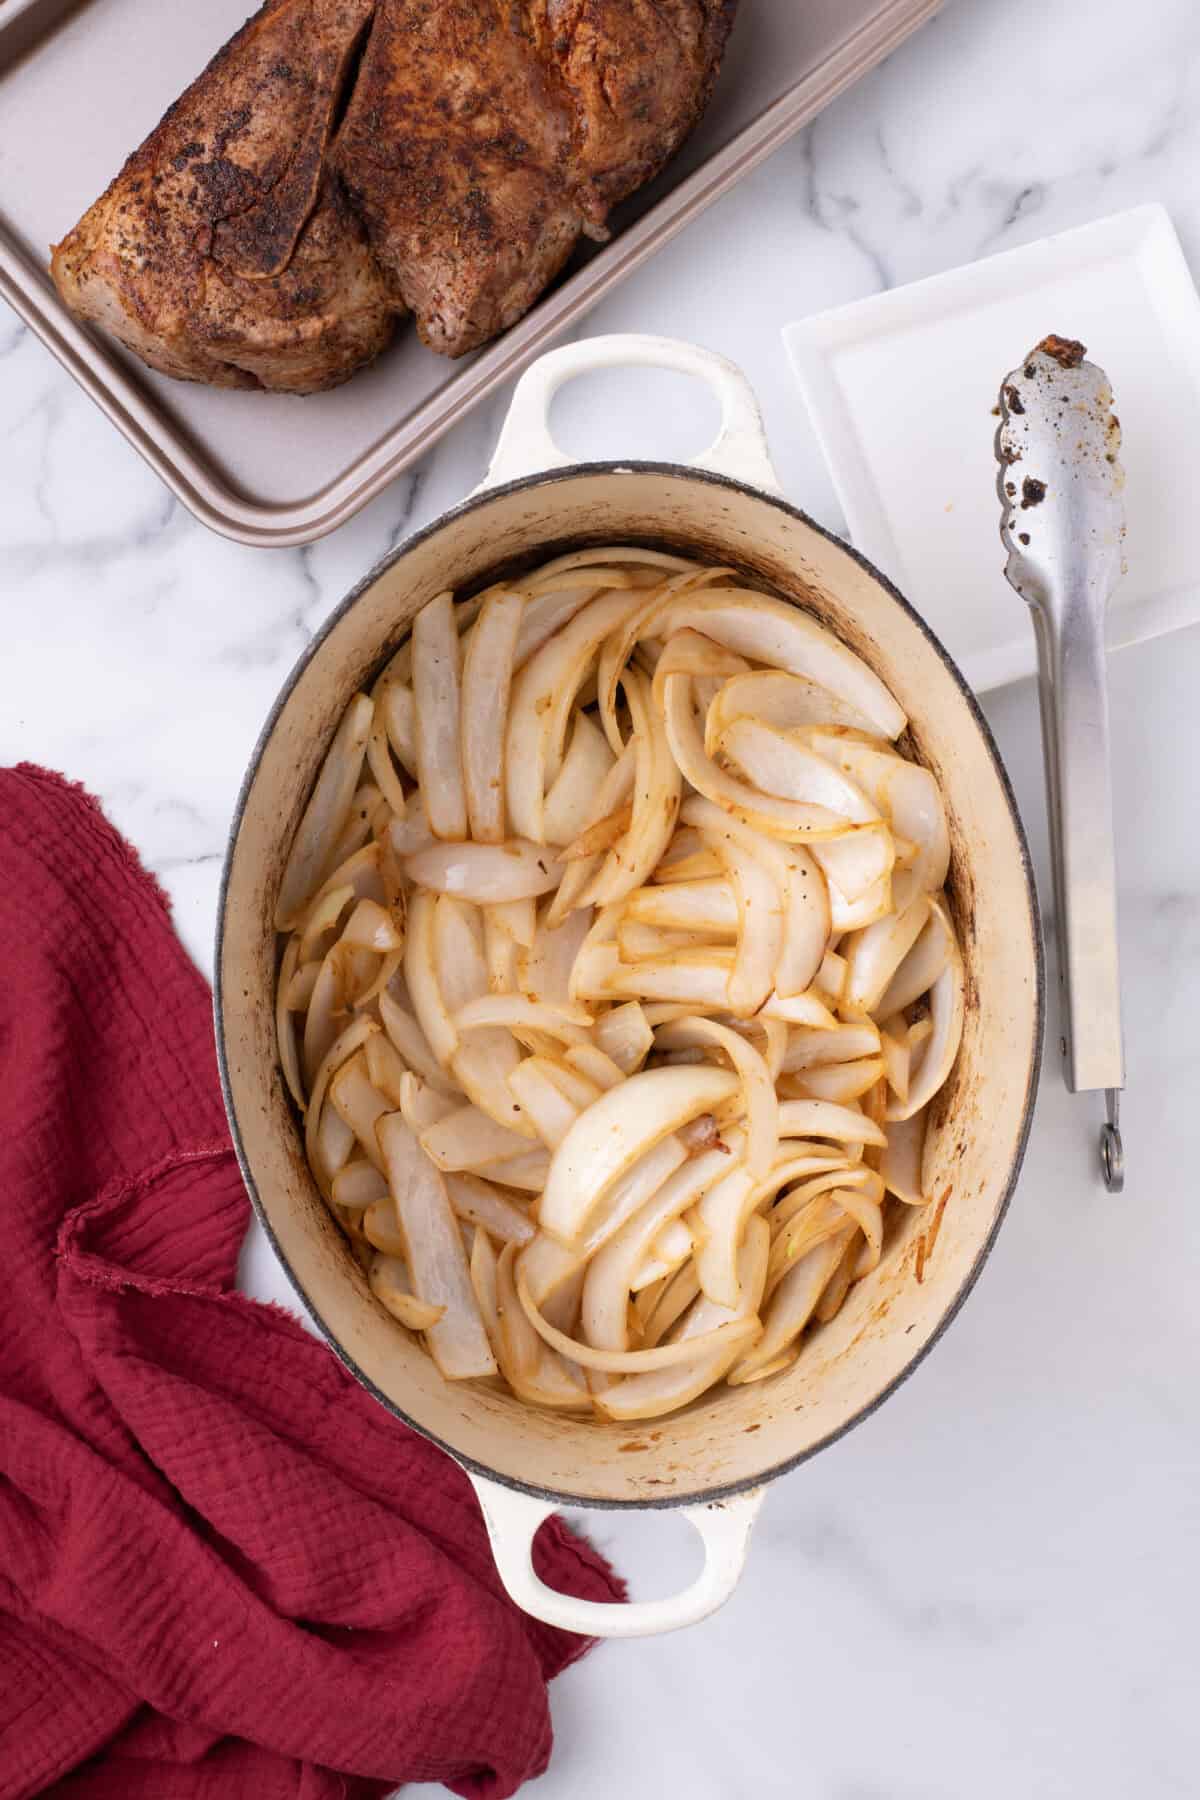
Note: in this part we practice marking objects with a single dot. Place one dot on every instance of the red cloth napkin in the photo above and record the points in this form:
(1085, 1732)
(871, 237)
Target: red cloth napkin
(225, 1571)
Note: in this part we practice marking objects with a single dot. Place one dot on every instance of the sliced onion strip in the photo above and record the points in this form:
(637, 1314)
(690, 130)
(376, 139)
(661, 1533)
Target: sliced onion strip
(482, 1204)
(622, 1125)
(720, 1221)
(708, 906)
(545, 969)
(929, 956)
(809, 1048)
(780, 634)
(790, 820)
(799, 1009)
(656, 1392)
(698, 978)
(678, 1294)
(778, 699)
(621, 645)
(611, 1271)
(778, 764)
(372, 927)
(570, 800)
(400, 722)
(533, 1370)
(340, 1051)
(500, 954)
(526, 1171)
(624, 1035)
(470, 1139)
(486, 874)
(360, 822)
(379, 761)
(657, 793)
(857, 865)
(947, 1000)
(600, 1069)
(518, 918)
(791, 1307)
(547, 610)
(457, 1340)
(548, 1109)
(796, 1164)
(662, 1356)
(825, 1119)
(359, 1103)
(578, 1089)
(437, 703)
(543, 695)
(486, 680)
(387, 1278)
(385, 1069)
(335, 1140)
(841, 1081)
(804, 901)
(326, 813)
(896, 1051)
(901, 1163)
(411, 1043)
(413, 832)
(357, 1185)
(758, 1090)
(874, 954)
(382, 1229)
(632, 1191)
(558, 1019)
(904, 791)
(421, 1105)
(322, 917)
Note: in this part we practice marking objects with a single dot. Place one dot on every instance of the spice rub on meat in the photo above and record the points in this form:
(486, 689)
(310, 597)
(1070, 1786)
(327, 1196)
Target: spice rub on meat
(341, 163)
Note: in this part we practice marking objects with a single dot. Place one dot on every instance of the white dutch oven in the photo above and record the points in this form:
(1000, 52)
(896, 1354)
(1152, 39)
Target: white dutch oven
(713, 1459)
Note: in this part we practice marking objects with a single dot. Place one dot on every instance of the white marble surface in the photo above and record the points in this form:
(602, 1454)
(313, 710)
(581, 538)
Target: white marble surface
(988, 1590)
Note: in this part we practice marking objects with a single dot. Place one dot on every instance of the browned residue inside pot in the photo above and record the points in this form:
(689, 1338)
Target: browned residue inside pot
(929, 1237)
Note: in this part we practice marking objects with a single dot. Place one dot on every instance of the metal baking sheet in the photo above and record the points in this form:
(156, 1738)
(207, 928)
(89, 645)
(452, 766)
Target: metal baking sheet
(275, 468)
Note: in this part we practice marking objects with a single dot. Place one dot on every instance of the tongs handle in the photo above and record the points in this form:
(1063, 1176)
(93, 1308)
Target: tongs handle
(1073, 692)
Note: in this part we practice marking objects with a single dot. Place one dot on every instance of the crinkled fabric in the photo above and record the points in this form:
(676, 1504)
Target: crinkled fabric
(225, 1570)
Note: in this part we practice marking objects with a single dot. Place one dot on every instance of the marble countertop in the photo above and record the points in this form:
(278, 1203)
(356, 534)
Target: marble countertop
(988, 1589)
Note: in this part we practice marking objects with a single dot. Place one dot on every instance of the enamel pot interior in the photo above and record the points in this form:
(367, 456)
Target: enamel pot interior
(733, 1437)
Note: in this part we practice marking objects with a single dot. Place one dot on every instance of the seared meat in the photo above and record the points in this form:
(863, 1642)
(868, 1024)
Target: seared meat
(224, 251)
(249, 242)
(456, 151)
(483, 137)
(639, 75)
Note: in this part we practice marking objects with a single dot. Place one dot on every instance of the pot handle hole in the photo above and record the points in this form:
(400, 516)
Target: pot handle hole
(526, 445)
(512, 1521)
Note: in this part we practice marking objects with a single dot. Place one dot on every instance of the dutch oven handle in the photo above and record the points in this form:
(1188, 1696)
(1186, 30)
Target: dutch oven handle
(526, 446)
(512, 1521)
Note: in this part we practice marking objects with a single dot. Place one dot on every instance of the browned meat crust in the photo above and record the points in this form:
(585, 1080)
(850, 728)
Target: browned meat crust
(251, 241)
(455, 151)
(640, 74)
(224, 251)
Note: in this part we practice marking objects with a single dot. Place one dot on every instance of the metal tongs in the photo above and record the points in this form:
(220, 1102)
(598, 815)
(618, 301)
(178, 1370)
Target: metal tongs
(1061, 488)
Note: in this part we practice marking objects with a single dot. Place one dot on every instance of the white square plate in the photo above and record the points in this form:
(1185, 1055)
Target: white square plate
(901, 389)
